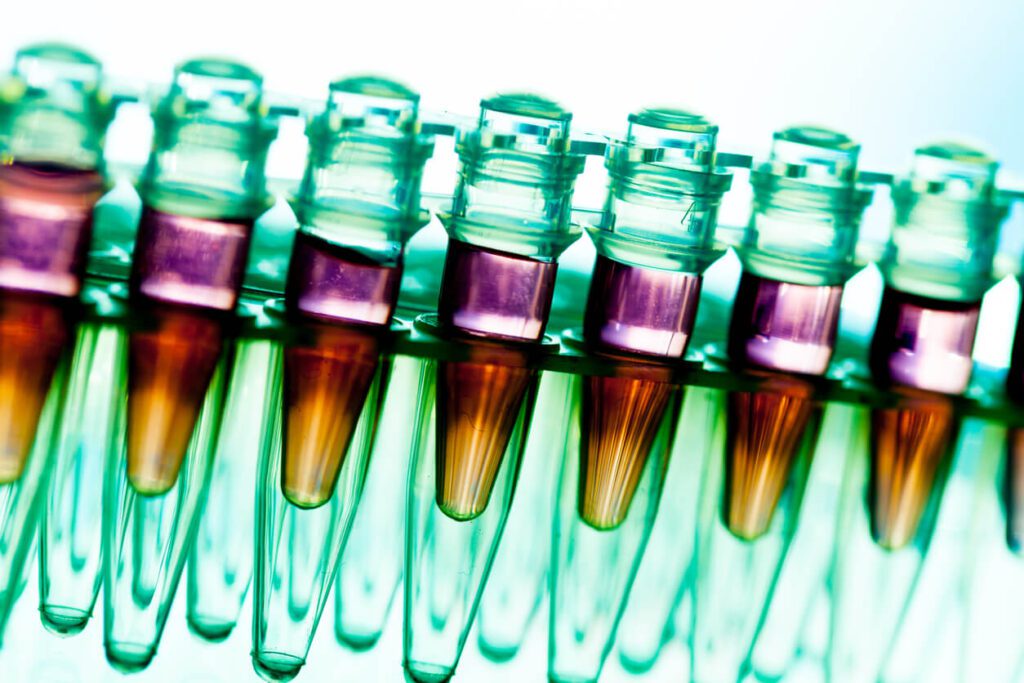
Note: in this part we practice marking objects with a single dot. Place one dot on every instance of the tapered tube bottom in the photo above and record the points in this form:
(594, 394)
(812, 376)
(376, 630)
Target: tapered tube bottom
(63, 621)
(420, 672)
(765, 430)
(170, 368)
(621, 418)
(33, 334)
(276, 667)
(1013, 490)
(129, 658)
(326, 384)
(210, 630)
(908, 449)
(478, 405)
(460, 490)
(359, 642)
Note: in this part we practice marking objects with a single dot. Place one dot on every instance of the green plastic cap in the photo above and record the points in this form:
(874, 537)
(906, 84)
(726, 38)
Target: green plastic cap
(664, 192)
(807, 208)
(516, 178)
(815, 154)
(365, 165)
(946, 225)
(53, 108)
(678, 136)
(373, 103)
(210, 141)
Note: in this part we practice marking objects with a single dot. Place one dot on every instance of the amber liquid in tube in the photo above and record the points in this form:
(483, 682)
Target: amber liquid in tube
(499, 296)
(921, 345)
(344, 300)
(781, 327)
(171, 364)
(647, 314)
(326, 385)
(621, 420)
(477, 409)
(766, 430)
(908, 450)
(45, 229)
(34, 332)
(186, 275)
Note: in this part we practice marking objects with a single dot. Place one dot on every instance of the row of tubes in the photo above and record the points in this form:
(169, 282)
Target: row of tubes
(151, 414)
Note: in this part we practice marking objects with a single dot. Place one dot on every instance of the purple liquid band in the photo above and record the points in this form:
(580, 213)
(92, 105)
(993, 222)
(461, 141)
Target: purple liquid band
(190, 261)
(337, 283)
(495, 294)
(45, 227)
(640, 310)
(783, 326)
(924, 343)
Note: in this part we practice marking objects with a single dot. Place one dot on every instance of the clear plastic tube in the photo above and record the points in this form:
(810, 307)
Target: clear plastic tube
(357, 206)
(202, 190)
(654, 239)
(71, 549)
(509, 222)
(462, 477)
(666, 572)
(298, 547)
(148, 538)
(518, 580)
(54, 112)
(220, 562)
(937, 265)
(372, 562)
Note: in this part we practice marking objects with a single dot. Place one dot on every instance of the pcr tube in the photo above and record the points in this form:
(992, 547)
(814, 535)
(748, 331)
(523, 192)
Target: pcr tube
(202, 190)
(510, 220)
(796, 253)
(54, 113)
(937, 266)
(654, 240)
(358, 205)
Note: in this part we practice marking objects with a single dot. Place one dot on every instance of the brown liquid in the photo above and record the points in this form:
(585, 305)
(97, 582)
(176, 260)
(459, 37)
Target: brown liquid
(621, 419)
(766, 429)
(33, 334)
(909, 444)
(325, 385)
(170, 367)
(478, 405)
